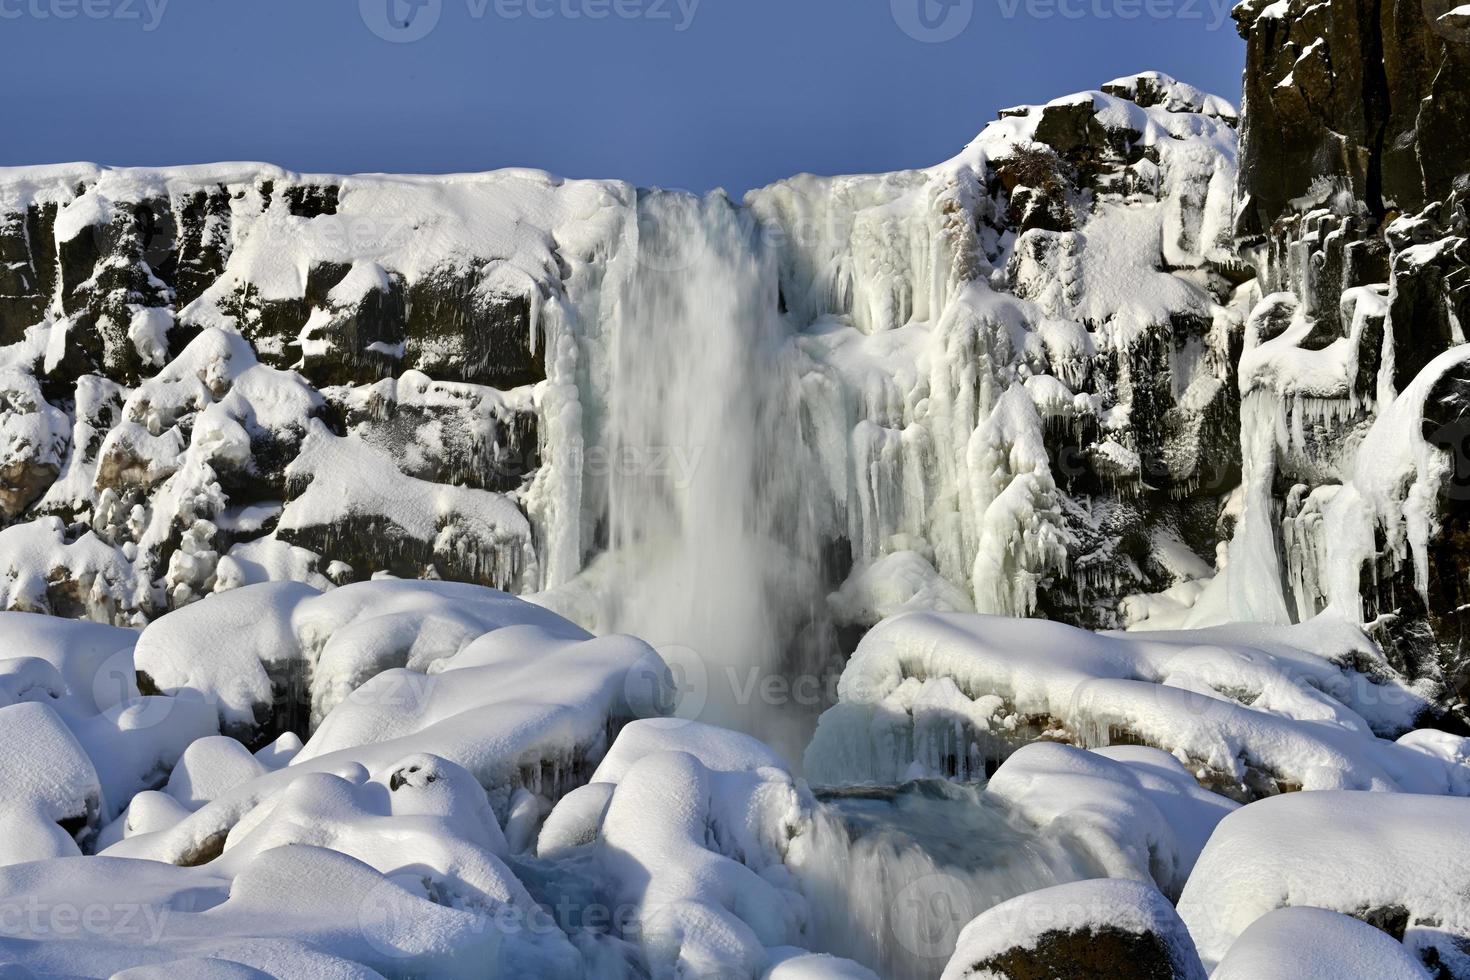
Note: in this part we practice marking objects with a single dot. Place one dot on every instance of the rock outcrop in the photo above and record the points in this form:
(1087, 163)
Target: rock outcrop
(1354, 174)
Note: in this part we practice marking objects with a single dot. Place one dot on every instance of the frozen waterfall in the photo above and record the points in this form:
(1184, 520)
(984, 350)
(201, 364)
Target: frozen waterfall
(714, 561)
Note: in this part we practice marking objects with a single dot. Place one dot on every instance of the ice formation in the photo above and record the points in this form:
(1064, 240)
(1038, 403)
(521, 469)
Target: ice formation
(895, 341)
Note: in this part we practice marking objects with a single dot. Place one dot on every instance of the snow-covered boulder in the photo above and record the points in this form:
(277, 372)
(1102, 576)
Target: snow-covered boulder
(350, 500)
(1397, 861)
(80, 739)
(798, 964)
(454, 671)
(1250, 711)
(1314, 944)
(1136, 811)
(47, 568)
(699, 829)
(1099, 928)
(52, 793)
(279, 657)
(34, 442)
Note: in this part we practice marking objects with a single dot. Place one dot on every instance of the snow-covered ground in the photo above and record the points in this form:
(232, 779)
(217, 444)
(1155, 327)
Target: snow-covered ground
(466, 782)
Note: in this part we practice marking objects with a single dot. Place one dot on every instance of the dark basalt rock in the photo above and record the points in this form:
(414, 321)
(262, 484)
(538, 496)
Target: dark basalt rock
(359, 343)
(1087, 956)
(1353, 172)
(373, 542)
(203, 243)
(312, 200)
(1366, 96)
(23, 292)
(1431, 301)
(479, 441)
(460, 331)
(1165, 474)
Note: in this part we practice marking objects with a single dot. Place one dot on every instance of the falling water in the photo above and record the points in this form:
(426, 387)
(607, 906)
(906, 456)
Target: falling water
(894, 874)
(712, 560)
(706, 463)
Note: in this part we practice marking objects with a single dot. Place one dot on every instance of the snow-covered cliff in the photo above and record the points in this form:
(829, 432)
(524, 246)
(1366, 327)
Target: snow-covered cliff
(1065, 373)
(1012, 369)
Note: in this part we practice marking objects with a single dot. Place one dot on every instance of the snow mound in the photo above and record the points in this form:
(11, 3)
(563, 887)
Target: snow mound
(1314, 944)
(797, 964)
(694, 828)
(473, 691)
(1397, 861)
(1137, 811)
(281, 656)
(1249, 710)
(81, 738)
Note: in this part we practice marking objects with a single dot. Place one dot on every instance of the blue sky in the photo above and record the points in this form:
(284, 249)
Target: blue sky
(675, 93)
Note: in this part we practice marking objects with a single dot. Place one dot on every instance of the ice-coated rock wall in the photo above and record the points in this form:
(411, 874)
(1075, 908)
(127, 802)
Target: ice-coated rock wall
(1089, 369)
(1005, 381)
(1353, 377)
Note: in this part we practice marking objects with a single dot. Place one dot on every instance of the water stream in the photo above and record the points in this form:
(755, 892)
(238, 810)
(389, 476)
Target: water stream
(705, 494)
(713, 559)
(897, 872)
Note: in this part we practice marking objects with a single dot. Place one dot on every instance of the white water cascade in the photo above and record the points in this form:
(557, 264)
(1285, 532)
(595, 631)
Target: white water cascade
(895, 873)
(714, 564)
(713, 516)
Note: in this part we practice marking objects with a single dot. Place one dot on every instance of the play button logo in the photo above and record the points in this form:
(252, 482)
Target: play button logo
(401, 21)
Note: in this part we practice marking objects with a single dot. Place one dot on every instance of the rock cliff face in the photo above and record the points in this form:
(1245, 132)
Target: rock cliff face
(1352, 210)
(1092, 368)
